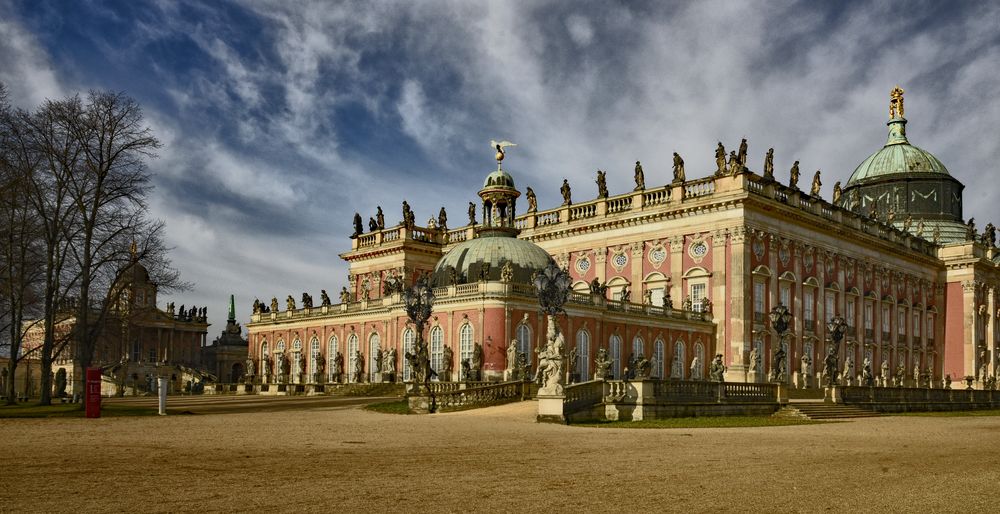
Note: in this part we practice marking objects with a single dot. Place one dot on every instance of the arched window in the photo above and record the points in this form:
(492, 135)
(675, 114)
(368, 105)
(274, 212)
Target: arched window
(408, 340)
(583, 355)
(465, 342)
(615, 349)
(352, 356)
(296, 359)
(677, 366)
(524, 340)
(331, 354)
(637, 347)
(313, 355)
(437, 349)
(658, 355)
(697, 370)
(374, 347)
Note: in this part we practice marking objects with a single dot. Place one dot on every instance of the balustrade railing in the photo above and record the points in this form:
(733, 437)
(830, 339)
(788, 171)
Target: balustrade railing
(701, 187)
(582, 396)
(584, 211)
(655, 197)
(548, 218)
(481, 396)
(619, 204)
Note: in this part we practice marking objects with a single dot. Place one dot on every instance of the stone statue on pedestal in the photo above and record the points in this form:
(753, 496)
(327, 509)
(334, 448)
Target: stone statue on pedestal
(359, 367)
(249, 370)
(696, 368)
(477, 361)
(338, 366)
(324, 298)
(848, 376)
(830, 367)
(567, 193)
(900, 373)
(769, 164)
(389, 363)
(720, 159)
(532, 200)
(816, 185)
(511, 357)
(472, 213)
(793, 180)
(345, 295)
(867, 379)
(358, 226)
(754, 363)
(838, 192)
(678, 168)
(380, 218)
(274, 304)
(602, 185)
(448, 357)
(885, 373)
(320, 368)
(805, 369)
(466, 371)
(290, 303)
(602, 365)
(717, 372)
(778, 371)
(550, 360)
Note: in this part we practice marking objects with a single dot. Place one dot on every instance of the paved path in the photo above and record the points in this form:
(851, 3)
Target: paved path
(219, 404)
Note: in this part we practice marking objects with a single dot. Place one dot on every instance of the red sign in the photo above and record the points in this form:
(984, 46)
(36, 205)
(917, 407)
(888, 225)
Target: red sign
(93, 392)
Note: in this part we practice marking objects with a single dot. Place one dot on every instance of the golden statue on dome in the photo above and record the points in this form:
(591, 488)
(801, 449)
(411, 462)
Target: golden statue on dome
(499, 146)
(896, 102)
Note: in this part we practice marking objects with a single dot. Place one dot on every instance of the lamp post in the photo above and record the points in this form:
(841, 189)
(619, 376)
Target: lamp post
(780, 319)
(419, 301)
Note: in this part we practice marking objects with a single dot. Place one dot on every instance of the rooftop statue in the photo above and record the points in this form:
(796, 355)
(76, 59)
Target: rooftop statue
(936, 237)
(345, 295)
(640, 179)
(380, 218)
(769, 164)
(990, 236)
(970, 230)
(442, 219)
(602, 185)
(720, 159)
(358, 227)
(816, 185)
(290, 303)
(734, 163)
(499, 146)
(896, 102)
(372, 225)
(532, 200)
(274, 304)
(566, 193)
(307, 301)
(472, 213)
(920, 228)
(323, 297)
(409, 220)
(742, 154)
(908, 222)
(838, 192)
(678, 168)
(793, 179)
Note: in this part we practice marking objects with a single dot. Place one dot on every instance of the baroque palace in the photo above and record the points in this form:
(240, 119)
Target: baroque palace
(674, 275)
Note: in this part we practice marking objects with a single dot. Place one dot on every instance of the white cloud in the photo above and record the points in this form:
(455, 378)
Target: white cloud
(25, 67)
(579, 29)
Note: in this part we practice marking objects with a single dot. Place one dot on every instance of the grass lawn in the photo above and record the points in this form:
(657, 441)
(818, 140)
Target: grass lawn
(68, 410)
(951, 413)
(393, 407)
(704, 422)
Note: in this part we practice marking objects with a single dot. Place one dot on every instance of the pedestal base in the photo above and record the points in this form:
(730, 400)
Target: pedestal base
(832, 395)
(550, 409)
(419, 404)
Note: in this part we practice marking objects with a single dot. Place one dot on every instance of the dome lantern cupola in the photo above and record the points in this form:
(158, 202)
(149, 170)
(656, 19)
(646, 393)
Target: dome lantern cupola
(906, 185)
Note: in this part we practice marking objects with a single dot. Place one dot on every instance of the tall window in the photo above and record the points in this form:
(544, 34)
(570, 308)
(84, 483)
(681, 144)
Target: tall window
(583, 354)
(658, 355)
(831, 305)
(758, 301)
(437, 348)
(615, 349)
(524, 340)
(656, 297)
(637, 347)
(697, 294)
(152, 355)
(785, 295)
(930, 326)
(901, 322)
(851, 312)
(808, 312)
(677, 366)
(331, 354)
(313, 356)
(869, 317)
(465, 343)
(409, 338)
(374, 344)
(916, 325)
(136, 351)
(885, 319)
(296, 358)
(352, 356)
(699, 352)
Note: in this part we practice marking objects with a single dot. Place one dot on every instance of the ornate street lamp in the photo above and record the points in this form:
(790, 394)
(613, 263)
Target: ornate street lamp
(419, 301)
(835, 328)
(780, 319)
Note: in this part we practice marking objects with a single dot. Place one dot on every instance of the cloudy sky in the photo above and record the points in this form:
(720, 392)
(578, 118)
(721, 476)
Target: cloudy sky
(281, 119)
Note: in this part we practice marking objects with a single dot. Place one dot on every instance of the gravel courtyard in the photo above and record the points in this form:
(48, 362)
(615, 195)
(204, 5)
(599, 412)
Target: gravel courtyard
(343, 458)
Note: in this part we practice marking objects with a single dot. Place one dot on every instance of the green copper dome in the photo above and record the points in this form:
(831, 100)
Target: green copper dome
(897, 157)
(499, 178)
(470, 257)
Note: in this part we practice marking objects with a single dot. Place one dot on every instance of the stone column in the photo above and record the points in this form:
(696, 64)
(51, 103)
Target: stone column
(718, 296)
(677, 269)
(741, 305)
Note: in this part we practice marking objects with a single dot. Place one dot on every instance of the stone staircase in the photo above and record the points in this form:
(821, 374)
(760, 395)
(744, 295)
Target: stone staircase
(823, 411)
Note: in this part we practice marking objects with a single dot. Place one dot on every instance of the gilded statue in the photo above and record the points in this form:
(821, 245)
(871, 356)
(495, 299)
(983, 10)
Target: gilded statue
(896, 102)
(274, 304)
(720, 159)
(499, 146)
(769, 164)
(640, 179)
(816, 185)
(602, 185)
(837, 193)
(793, 180)
(678, 168)
(742, 154)
(532, 200)
(290, 303)
(566, 193)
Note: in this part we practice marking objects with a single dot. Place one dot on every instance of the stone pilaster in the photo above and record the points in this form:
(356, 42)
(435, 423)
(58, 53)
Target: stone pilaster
(741, 305)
